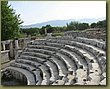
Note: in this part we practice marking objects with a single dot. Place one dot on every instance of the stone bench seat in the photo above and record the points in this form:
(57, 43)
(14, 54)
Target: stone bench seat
(93, 42)
(40, 51)
(62, 51)
(83, 45)
(34, 54)
(80, 39)
(36, 59)
(61, 58)
(90, 50)
(47, 43)
(58, 41)
(61, 68)
(58, 56)
(22, 65)
(40, 40)
(62, 38)
(31, 57)
(42, 67)
(89, 57)
(86, 55)
(38, 76)
(36, 65)
(78, 61)
(30, 68)
(54, 70)
(30, 62)
(52, 66)
(94, 68)
(30, 77)
(44, 47)
(81, 52)
(70, 64)
(46, 75)
(96, 51)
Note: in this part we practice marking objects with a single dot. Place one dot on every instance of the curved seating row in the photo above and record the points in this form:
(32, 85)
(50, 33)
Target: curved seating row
(63, 61)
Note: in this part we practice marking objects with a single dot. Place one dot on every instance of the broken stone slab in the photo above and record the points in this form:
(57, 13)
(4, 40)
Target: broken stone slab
(5, 56)
(103, 82)
(81, 73)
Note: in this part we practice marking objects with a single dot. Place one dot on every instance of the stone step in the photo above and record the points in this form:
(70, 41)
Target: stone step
(34, 54)
(43, 47)
(71, 64)
(46, 73)
(36, 59)
(43, 51)
(62, 69)
(80, 45)
(53, 68)
(94, 42)
(29, 76)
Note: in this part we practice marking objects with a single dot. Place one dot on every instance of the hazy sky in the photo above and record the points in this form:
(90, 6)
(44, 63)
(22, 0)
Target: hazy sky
(40, 11)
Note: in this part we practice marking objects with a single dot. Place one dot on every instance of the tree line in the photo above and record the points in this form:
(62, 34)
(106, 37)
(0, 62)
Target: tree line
(11, 25)
(76, 26)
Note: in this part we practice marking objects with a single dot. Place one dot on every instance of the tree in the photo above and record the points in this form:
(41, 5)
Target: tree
(83, 26)
(72, 26)
(77, 26)
(101, 24)
(30, 31)
(93, 25)
(10, 22)
(49, 28)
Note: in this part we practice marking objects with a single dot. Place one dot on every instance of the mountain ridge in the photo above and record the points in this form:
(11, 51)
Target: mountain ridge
(61, 23)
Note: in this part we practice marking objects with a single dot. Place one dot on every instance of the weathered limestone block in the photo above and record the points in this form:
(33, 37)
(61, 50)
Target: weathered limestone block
(4, 56)
(103, 82)
(104, 74)
(91, 83)
(81, 73)
(93, 42)
(3, 45)
(70, 79)
(95, 69)
(94, 78)
(60, 82)
(16, 44)
(11, 49)
(81, 81)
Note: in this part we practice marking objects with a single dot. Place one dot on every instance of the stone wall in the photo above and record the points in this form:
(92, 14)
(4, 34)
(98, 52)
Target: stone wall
(11, 48)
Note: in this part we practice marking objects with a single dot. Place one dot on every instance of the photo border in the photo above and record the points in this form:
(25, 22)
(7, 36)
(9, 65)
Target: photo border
(73, 86)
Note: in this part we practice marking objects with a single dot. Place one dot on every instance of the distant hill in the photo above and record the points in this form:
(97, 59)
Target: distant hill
(62, 22)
